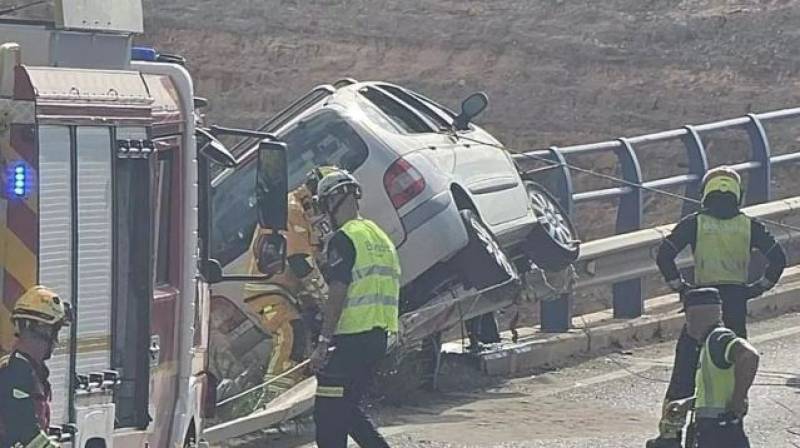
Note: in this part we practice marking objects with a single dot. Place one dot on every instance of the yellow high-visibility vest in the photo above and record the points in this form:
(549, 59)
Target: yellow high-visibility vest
(722, 251)
(373, 295)
(714, 385)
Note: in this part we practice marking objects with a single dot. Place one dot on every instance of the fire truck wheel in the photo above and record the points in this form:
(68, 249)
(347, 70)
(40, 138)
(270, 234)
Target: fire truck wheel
(482, 262)
(553, 243)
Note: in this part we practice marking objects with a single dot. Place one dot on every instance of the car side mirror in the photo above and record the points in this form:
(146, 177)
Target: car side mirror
(272, 185)
(271, 254)
(471, 108)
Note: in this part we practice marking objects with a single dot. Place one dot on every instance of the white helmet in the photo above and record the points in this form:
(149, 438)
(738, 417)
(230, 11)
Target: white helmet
(337, 181)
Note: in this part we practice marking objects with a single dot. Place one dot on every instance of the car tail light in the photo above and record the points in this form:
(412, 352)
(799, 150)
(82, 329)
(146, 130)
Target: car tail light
(403, 182)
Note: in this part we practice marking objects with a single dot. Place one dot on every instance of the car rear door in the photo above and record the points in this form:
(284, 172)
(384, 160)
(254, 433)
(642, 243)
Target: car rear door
(479, 163)
(491, 178)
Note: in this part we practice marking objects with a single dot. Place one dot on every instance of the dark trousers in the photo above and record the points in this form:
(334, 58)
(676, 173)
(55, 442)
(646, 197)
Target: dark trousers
(350, 369)
(711, 435)
(687, 350)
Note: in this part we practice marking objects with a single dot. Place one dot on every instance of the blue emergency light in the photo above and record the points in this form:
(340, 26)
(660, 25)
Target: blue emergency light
(144, 54)
(18, 181)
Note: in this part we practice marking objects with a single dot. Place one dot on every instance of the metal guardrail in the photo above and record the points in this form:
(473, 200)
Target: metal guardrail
(632, 255)
(628, 291)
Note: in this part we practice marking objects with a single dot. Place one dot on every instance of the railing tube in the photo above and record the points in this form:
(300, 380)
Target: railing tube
(698, 165)
(628, 300)
(758, 184)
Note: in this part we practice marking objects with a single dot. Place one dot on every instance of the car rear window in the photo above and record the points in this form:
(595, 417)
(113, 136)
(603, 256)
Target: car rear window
(323, 139)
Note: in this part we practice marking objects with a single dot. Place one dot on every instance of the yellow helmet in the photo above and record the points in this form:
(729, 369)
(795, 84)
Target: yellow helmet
(315, 175)
(40, 304)
(722, 179)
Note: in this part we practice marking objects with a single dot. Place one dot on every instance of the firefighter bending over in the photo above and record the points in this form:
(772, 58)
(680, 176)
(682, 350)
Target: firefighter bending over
(363, 275)
(24, 388)
(726, 370)
(721, 238)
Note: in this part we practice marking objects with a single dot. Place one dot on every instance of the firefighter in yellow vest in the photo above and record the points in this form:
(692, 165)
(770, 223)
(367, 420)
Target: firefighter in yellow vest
(721, 238)
(25, 392)
(363, 275)
(726, 370)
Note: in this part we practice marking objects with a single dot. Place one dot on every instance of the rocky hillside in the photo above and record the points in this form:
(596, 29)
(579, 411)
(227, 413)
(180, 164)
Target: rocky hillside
(557, 71)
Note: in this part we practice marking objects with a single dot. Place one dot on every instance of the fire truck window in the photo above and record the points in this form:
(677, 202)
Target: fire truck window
(163, 191)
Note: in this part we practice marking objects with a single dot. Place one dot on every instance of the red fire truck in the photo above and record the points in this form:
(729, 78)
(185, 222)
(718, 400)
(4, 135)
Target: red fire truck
(106, 175)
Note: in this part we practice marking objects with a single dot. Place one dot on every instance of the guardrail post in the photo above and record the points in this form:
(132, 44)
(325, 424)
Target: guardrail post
(628, 301)
(556, 315)
(562, 188)
(759, 188)
(698, 165)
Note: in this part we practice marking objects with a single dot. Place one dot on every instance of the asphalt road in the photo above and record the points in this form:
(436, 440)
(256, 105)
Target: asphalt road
(611, 401)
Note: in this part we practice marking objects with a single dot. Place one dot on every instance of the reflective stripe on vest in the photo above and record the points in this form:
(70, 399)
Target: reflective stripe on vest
(714, 385)
(330, 391)
(373, 295)
(722, 251)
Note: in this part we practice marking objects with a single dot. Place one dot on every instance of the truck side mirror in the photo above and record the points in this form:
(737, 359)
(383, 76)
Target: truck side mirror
(471, 108)
(211, 271)
(271, 254)
(213, 149)
(272, 186)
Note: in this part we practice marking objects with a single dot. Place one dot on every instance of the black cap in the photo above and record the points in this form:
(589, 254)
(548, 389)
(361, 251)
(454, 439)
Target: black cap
(701, 296)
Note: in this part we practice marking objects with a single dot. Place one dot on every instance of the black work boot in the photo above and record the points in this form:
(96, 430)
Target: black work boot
(661, 442)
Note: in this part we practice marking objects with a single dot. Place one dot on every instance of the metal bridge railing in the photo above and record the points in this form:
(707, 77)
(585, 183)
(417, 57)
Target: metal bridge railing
(628, 299)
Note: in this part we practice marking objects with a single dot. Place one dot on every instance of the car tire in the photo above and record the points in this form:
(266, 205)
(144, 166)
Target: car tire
(553, 243)
(482, 263)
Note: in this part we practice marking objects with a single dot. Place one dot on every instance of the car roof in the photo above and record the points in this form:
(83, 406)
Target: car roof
(343, 95)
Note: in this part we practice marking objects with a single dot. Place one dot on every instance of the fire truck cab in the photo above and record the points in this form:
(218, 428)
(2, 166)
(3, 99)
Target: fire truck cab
(100, 172)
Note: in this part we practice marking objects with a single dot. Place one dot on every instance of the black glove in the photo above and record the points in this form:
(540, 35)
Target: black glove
(759, 287)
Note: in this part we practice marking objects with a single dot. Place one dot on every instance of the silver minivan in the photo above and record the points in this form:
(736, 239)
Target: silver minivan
(445, 190)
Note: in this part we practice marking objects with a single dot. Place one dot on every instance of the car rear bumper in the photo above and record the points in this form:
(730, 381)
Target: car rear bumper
(434, 233)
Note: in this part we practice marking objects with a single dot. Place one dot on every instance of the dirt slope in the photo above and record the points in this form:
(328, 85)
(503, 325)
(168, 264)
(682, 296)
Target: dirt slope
(557, 71)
